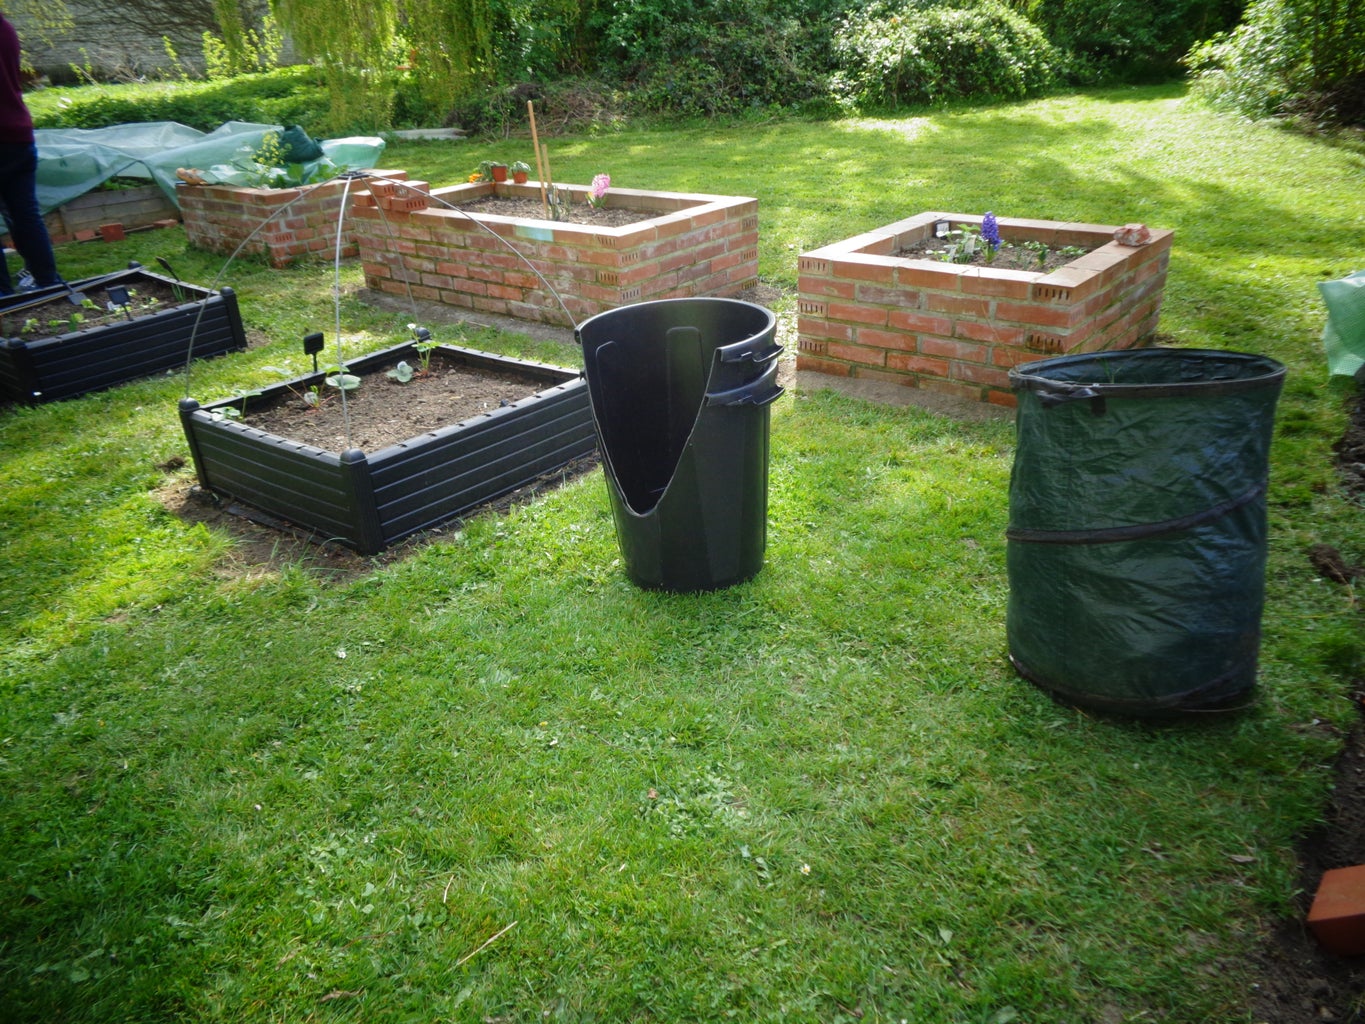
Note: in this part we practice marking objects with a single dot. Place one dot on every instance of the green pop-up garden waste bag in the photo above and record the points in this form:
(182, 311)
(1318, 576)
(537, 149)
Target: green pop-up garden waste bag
(1136, 544)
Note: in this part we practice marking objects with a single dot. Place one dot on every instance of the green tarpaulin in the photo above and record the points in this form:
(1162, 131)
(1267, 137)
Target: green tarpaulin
(74, 161)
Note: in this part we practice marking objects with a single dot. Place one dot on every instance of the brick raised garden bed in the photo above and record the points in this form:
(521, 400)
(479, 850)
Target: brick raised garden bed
(958, 328)
(219, 218)
(369, 501)
(694, 245)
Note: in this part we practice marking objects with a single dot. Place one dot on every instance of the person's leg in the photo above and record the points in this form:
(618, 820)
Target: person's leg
(6, 286)
(18, 170)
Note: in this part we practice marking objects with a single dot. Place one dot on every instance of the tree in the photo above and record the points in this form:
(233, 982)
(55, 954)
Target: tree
(353, 42)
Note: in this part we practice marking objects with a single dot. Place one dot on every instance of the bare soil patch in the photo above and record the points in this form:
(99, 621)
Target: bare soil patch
(576, 213)
(382, 411)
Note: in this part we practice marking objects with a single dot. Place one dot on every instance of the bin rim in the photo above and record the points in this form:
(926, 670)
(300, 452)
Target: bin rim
(1033, 376)
(770, 318)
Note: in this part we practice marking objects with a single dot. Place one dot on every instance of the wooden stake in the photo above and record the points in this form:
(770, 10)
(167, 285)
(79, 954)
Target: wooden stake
(540, 169)
(549, 175)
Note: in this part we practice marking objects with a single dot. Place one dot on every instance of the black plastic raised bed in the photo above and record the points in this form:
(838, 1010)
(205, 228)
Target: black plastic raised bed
(369, 501)
(95, 358)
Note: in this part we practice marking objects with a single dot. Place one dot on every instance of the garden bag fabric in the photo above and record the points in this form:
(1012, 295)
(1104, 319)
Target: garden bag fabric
(1137, 526)
(1343, 337)
(74, 161)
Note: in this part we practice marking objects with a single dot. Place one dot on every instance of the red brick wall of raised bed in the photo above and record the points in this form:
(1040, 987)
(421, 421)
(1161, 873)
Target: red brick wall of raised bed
(957, 329)
(696, 245)
(220, 217)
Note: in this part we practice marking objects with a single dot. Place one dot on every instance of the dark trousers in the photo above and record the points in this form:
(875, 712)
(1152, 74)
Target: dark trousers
(19, 206)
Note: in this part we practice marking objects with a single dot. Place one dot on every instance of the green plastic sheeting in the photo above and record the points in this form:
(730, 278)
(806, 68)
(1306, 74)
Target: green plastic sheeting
(1344, 336)
(1137, 531)
(74, 161)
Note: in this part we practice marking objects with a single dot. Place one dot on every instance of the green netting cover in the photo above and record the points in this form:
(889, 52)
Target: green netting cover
(1137, 526)
(74, 161)
(1344, 335)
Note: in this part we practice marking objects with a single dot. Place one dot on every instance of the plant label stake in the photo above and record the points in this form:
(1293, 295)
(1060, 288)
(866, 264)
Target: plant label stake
(312, 345)
(118, 296)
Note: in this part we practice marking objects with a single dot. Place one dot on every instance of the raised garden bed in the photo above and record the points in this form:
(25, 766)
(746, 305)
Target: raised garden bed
(129, 208)
(686, 245)
(370, 500)
(53, 348)
(955, 328)
(280, 224)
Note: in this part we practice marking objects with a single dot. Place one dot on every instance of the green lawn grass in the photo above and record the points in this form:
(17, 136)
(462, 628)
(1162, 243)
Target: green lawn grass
(492, 780)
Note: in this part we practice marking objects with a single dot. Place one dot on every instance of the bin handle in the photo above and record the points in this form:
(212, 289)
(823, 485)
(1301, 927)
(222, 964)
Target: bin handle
(757, 358)
(727, 398)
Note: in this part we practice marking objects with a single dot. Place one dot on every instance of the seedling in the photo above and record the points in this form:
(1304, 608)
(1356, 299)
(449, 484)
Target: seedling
(401, 373)
(232, 413)
(423, 344)
(340, 379)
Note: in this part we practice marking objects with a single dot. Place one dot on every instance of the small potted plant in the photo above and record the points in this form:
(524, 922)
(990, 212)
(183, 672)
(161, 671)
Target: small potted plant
(490, 170)
(521, 171)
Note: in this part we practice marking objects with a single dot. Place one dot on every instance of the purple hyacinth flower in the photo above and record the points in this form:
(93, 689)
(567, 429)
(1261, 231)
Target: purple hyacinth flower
(990, 230)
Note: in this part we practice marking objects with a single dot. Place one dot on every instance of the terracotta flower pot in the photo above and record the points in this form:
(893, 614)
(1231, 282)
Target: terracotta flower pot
(519, 177)
(499, 172)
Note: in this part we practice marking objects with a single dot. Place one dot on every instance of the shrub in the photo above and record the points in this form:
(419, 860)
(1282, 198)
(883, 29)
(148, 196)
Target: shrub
(718, 56)
(930, 52)
(287, 96)
(1304, 58)
(1129, 39)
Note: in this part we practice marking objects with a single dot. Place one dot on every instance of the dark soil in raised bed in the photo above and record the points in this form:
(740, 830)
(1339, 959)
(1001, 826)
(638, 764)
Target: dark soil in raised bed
(382, 411)
(59, 315)
(577, 213)
(1009, 256)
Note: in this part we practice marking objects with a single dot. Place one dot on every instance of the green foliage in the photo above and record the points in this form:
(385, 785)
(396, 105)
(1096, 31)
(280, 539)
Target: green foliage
(293, 95)
(354, 43)
(1297, 57)
(449, 46)
(929, 52)
(1128, 40)
(239, 49)
(717, 56)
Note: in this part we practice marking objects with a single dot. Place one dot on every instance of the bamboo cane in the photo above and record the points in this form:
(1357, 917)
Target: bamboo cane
(540, 169)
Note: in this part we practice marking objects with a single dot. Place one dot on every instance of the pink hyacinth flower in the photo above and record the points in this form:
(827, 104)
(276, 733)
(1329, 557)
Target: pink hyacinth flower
(600, 184)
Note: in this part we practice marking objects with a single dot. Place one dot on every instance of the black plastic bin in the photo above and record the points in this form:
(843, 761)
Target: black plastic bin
(680, 392)
(1137, 526)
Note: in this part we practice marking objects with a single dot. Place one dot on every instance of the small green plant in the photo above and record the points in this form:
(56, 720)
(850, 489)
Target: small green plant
(338, 377)
(487, 169)
(234, 413)
(423, 344)
(268, 166)
(962, 245)
(30, 325)
(520, 167)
